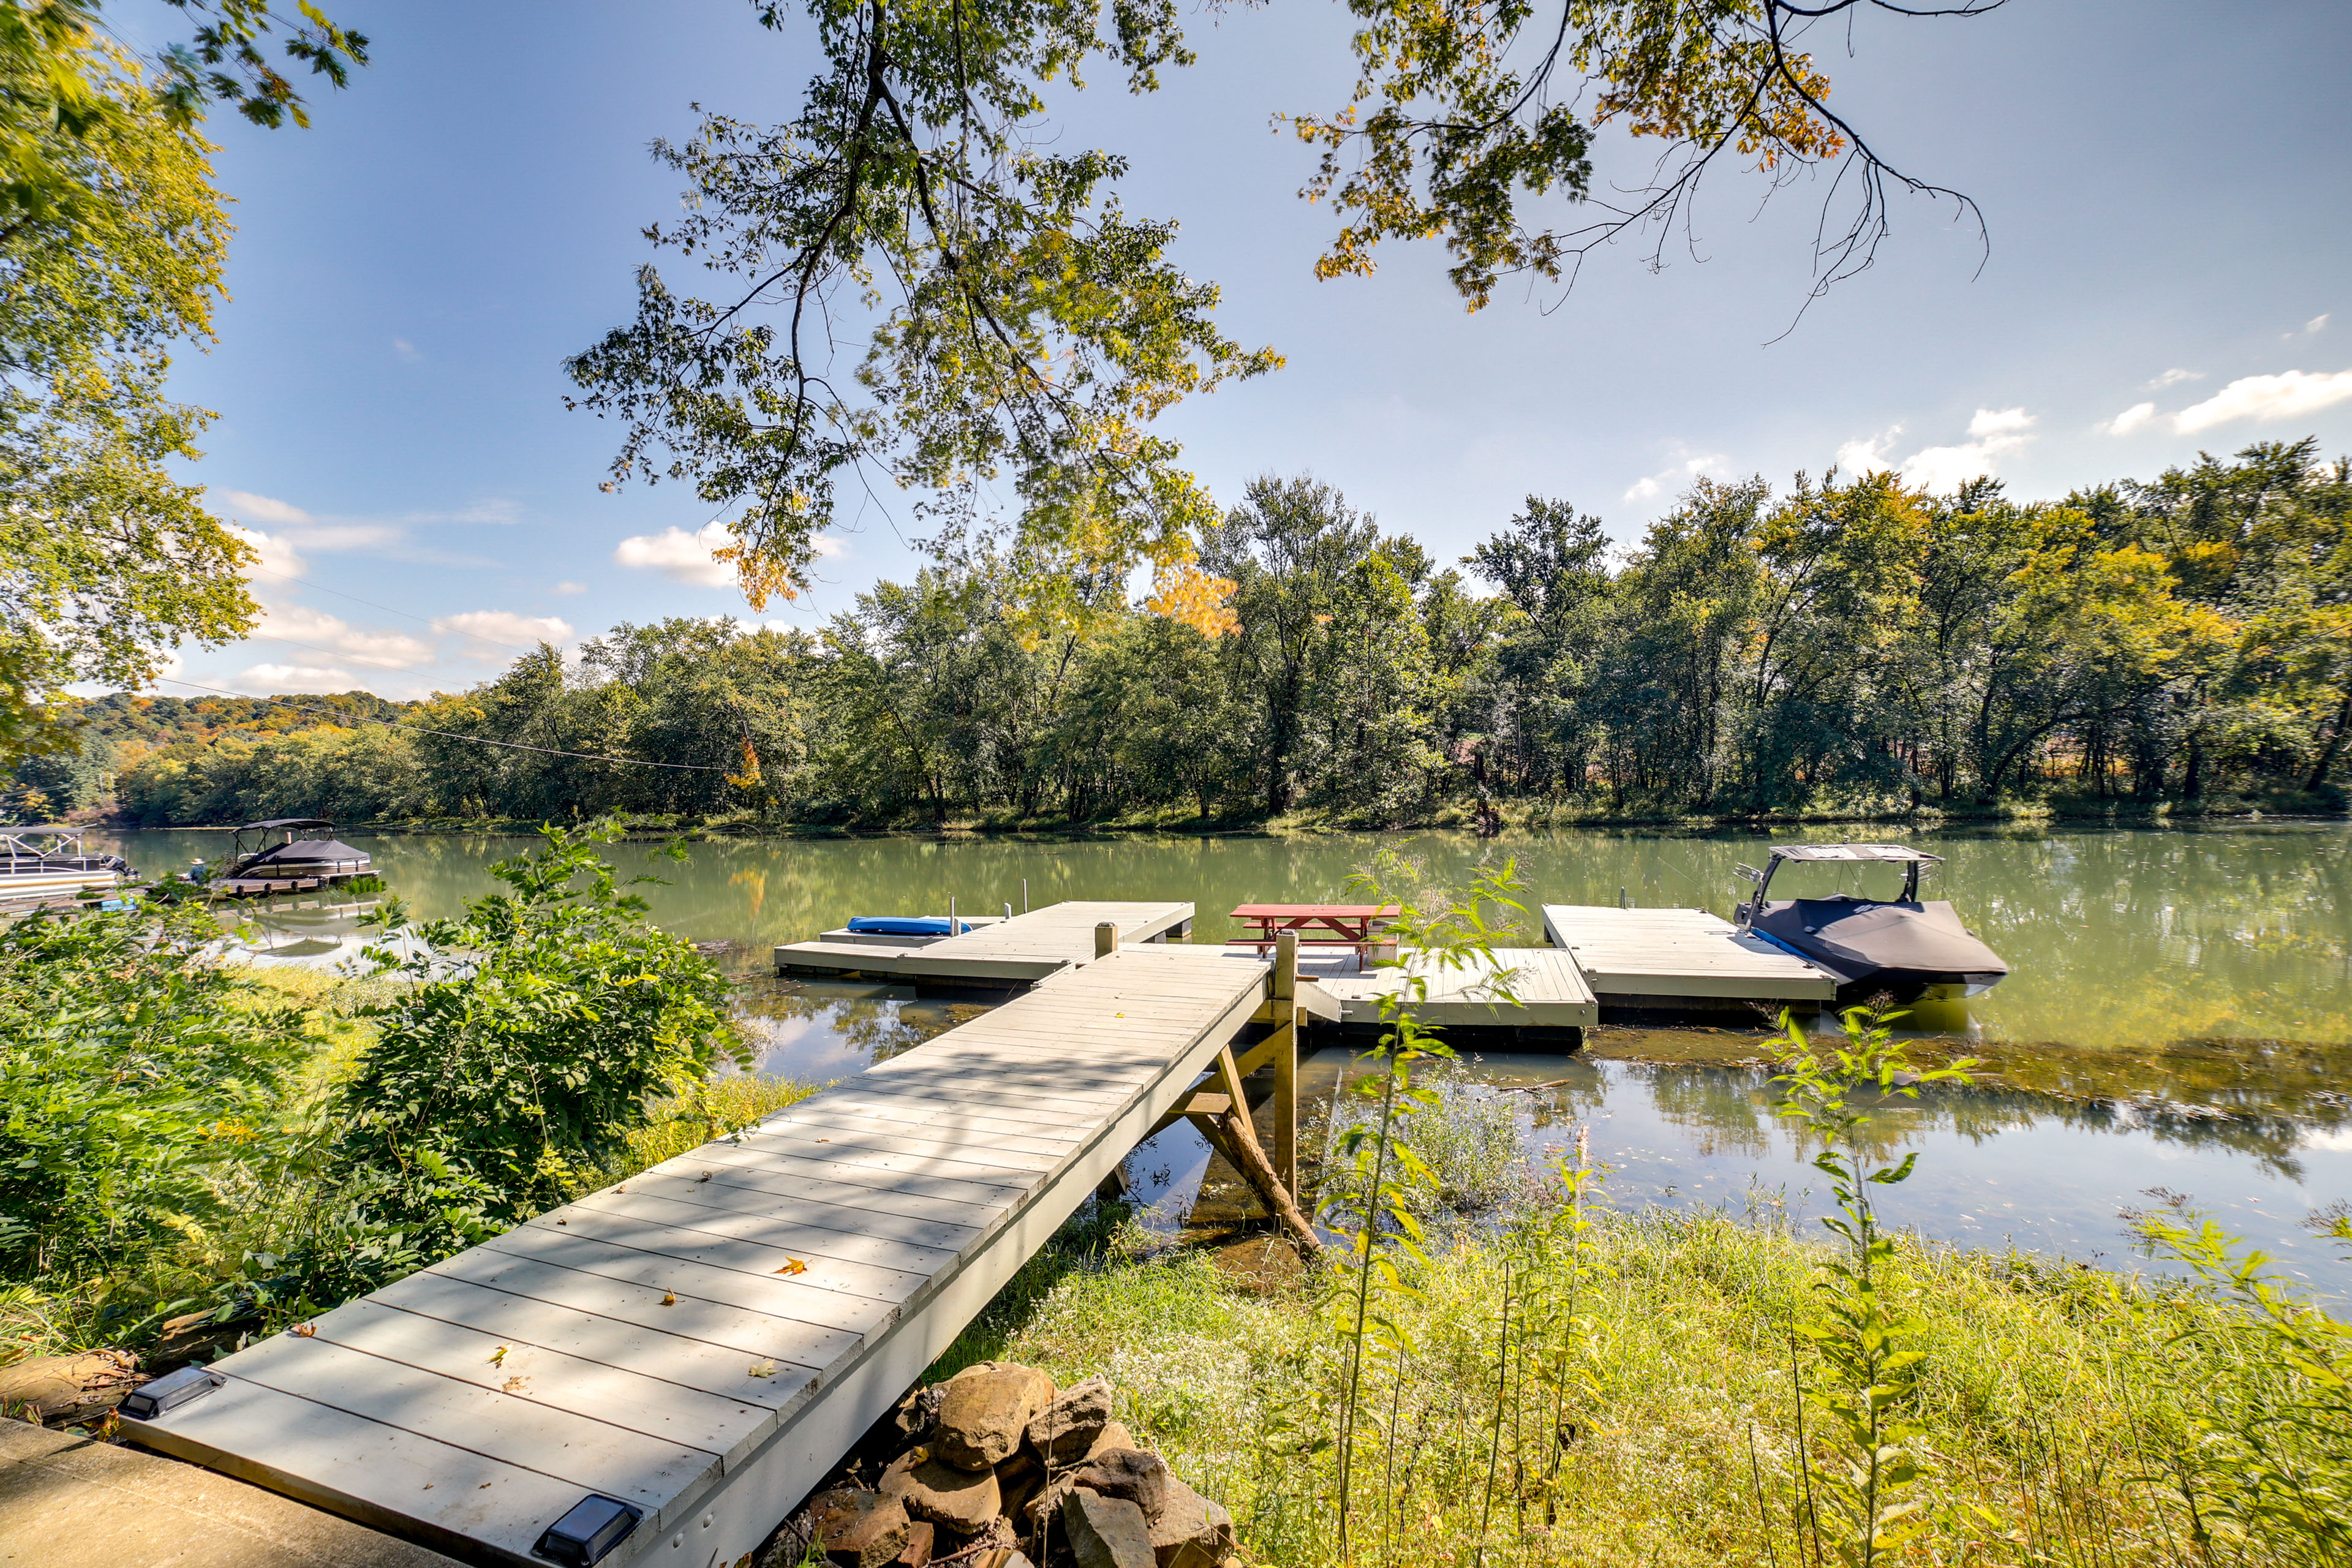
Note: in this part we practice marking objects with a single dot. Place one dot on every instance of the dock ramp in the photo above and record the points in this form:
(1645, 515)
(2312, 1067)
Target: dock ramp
(704, 1340)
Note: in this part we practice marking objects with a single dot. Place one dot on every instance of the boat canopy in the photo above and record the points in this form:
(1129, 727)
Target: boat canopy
(1894, 852)
(275, 822)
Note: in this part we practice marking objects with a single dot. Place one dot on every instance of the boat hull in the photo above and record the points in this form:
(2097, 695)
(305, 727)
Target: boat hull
(1909, 951)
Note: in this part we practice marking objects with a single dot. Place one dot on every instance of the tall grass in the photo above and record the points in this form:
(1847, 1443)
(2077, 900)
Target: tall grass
(1653, 1420)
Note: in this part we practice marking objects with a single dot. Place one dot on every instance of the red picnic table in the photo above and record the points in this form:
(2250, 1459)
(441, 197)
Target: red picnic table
(1341, 925)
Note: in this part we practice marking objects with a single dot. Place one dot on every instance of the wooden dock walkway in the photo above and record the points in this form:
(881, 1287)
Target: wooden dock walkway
(704, 1340)
(1015, 952)
(1663, 957)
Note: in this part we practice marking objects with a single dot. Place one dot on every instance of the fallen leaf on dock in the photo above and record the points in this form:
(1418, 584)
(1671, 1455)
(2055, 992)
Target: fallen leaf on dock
(670, 1297)
(704, 1177)
(303, 1331)
(763, 1369)
(499, 1356)
(793, 1266)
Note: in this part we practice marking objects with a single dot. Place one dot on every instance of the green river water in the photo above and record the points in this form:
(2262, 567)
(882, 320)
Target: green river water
(2179, 1014)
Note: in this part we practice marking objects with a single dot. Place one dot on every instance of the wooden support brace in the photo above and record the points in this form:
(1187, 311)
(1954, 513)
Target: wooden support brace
(1247, 1157)
(1285, 1042)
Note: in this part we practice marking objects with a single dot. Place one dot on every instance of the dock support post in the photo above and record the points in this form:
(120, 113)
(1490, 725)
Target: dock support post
(1285, 1042)
(1106, 938)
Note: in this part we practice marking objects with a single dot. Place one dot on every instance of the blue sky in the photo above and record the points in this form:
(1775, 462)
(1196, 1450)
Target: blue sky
(2163, 183)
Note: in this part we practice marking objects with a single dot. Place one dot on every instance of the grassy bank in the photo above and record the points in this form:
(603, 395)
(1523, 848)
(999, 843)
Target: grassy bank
(2065, 1415)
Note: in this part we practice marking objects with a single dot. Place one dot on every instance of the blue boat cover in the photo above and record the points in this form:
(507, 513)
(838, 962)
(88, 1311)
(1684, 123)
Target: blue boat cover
(903, 926)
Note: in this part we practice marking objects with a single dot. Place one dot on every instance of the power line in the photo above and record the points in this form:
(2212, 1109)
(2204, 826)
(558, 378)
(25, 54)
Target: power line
(387, 609)
(449, 734)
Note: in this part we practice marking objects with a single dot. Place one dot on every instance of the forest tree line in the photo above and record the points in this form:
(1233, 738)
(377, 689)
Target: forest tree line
(1847, 644)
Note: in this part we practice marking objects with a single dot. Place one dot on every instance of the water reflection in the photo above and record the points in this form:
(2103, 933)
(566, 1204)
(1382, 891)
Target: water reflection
(2120, 940)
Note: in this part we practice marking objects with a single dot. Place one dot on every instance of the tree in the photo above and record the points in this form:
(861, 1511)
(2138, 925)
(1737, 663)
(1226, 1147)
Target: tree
(111, 240)
(1287, 549)
(1000, 311)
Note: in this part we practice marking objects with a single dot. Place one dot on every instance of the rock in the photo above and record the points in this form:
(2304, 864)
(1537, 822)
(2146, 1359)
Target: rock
(920, 1537)
(68, 1388)
(1114, 1434)
(1139, 1478)
(954, 1499)
(1018, 1482)
(894, 1481)
(1190, 1531)
(917, 1411)
(1066, 1428)
(859, 1529)
(986, 1410)
(1106, 1532)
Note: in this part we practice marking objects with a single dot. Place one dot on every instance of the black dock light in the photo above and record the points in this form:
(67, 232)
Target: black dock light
(169, 1392)
(594, 1526)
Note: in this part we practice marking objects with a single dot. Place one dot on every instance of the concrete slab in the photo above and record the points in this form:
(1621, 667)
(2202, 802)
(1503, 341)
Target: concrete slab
(69, 1501)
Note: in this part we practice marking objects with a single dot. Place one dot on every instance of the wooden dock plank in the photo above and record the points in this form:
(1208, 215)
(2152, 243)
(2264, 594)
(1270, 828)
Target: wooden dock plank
(1679, 953)
(468, 1310)
(801, 1338)
(629, 1216)
(1547, 991)
(719, 1205)
(791, 1178)
(739, 1273)
(593, 1455)
(686, 1417)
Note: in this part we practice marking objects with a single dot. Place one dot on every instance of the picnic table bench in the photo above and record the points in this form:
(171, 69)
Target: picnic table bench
(1355, 926)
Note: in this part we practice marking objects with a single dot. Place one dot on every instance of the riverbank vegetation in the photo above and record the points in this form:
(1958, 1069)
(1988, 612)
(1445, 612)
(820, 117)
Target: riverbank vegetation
(224, 1149)
(1845, 646)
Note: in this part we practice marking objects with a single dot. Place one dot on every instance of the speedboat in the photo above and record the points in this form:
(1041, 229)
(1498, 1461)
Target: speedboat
(1905, 947)
(319, 859)
(50, 861)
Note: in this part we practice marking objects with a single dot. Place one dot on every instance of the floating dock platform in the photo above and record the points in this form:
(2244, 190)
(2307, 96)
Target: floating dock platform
(1661, 958)
(704, 1340)
(1019, 951)
(1547, 989)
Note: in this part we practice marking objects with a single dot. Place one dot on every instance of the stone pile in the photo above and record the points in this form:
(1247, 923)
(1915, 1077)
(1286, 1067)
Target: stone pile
(997, 1468)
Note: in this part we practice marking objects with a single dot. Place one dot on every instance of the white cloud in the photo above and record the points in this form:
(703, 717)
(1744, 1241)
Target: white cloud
(681, 556)
(826, 545)
(1998, 432)
(2287, 395)
(571, 588)
(333, 536)
(1865, 457)
(2129, 420)
(1996, 423)
(383, 649)
(269, 680)
(406, 350)
(278, 557)
(251, 508)
(2318, 321)
(2174, 376)
(504, 626)
(1679, 476)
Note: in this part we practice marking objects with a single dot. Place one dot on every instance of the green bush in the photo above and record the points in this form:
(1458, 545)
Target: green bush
(543, 1021)
(134, 1076)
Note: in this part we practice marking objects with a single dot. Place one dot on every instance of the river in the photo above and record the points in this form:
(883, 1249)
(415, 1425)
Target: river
(2178, 1015)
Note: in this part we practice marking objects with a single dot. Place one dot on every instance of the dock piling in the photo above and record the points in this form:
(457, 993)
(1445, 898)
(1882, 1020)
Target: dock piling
(1106, 938)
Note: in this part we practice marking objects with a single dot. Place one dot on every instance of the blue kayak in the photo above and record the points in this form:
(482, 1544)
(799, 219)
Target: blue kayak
(905, 925)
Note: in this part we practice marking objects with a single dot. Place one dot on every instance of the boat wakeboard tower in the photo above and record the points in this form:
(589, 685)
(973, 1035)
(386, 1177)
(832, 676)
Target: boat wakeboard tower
(1905, 947)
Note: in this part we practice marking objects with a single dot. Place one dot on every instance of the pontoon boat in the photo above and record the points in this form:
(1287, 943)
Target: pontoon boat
(1908, 948)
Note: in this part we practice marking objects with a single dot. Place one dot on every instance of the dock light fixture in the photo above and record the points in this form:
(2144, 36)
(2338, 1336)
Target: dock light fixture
(169, 1392)
(595, 1525)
